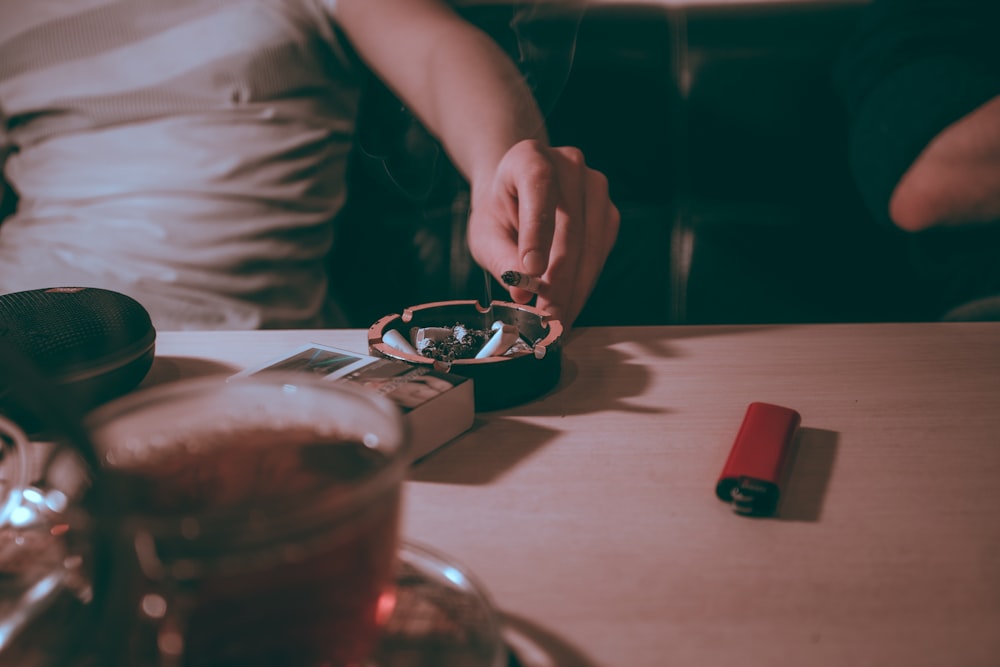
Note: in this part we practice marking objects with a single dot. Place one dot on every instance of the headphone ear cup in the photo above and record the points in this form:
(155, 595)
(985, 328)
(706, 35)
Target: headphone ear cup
(93, 343)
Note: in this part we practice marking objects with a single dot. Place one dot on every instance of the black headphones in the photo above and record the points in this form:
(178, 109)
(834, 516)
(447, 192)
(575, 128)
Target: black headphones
(63, 351)
(92, 344)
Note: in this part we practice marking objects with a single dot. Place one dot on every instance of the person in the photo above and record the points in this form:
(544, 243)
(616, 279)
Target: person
(193, 154)
(921, 84)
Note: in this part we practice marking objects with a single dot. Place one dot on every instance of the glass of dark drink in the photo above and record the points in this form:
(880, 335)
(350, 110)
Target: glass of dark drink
(256, 521)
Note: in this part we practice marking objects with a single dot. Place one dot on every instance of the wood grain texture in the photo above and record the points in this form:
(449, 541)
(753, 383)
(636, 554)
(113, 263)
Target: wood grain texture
(590, 514)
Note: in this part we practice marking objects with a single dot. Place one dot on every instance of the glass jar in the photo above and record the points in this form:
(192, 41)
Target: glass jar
(254, 521)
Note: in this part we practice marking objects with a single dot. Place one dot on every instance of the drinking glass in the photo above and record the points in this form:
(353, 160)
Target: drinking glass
(255, 521)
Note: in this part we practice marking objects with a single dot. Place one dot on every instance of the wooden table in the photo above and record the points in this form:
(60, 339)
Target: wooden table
(590, 514)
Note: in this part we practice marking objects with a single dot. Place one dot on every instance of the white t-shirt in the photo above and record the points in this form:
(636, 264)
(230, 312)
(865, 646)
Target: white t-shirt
(189, 153)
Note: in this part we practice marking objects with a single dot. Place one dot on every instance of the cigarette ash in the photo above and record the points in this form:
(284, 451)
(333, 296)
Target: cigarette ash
(463, 342)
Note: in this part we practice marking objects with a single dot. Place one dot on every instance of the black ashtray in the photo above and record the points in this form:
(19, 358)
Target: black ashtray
(499, 381)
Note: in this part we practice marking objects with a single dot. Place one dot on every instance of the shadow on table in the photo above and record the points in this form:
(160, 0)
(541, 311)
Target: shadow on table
(483, 454)
(809, 475)
(534, 646)
(168, 369)
(625, 378)
(501, 439)
(622, 377)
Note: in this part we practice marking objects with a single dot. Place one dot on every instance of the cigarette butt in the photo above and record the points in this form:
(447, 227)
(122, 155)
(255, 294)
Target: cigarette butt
(506, 335)
(427, 336)
(398, 341)
(521, 281)
(519, 348)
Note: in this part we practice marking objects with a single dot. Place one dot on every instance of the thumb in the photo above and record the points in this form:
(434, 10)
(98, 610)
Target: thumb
(498, 254)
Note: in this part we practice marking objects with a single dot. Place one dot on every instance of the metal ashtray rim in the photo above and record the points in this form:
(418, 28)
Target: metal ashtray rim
(499, 381)
(540, 346)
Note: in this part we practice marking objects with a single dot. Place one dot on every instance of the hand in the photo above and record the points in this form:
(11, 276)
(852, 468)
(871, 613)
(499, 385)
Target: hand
(543, 212)
(956, 178)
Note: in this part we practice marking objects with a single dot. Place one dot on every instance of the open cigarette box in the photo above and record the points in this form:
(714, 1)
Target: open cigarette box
(437, 406)
(523, 359)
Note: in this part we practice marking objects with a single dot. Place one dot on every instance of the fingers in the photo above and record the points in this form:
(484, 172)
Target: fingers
(493, 241)
(537, 193)
(547, 215)
(587, 224)
(512, 229)
(568, 238)
(602, 222)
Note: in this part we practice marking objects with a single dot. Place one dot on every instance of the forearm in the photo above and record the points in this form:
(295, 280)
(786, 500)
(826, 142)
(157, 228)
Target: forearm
(478, 103)
(455, 78)
(956, 179)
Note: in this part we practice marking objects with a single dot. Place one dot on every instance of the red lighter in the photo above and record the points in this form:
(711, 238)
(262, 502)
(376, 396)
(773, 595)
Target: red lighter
(755, 469)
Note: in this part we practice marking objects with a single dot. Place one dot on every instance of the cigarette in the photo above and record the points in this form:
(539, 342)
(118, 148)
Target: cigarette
(521, 281)
(504, 337)
(398, 341)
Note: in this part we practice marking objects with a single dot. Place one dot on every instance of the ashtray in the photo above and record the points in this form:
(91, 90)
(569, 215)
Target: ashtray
(500, 380)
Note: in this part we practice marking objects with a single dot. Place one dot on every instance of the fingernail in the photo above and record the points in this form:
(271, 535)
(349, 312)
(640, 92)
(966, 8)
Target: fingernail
(534, 262)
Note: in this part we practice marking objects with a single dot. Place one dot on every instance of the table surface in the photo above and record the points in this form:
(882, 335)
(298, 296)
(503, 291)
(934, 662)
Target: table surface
(590, 514)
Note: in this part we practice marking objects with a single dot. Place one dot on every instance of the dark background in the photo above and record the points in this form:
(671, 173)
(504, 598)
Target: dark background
(725, 149)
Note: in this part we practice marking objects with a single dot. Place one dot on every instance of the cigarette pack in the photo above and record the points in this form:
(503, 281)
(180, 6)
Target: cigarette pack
(437, 406)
